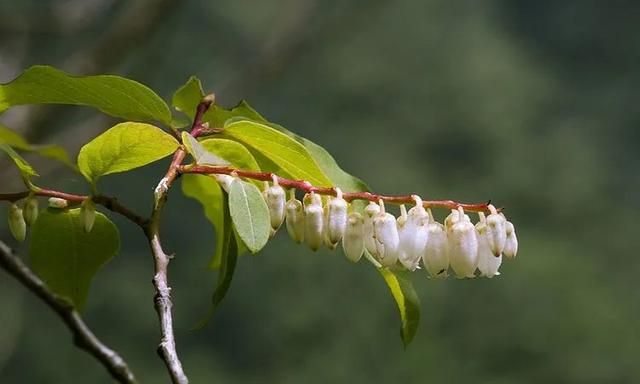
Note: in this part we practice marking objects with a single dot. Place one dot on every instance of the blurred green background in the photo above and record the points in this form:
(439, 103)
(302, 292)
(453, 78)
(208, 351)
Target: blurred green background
(532, 104)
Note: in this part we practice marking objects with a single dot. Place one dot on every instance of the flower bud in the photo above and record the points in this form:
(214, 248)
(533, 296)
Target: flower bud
(30, 211)
(56, 202)
(436, 252)
(353, 239)
(385, 234)
(274, 196)
(295, 218)
(335, 219)
(313, 221)
(87, 214)
(511, 243)
(488, 264)
(17, 225)
(413, 234)
(370, 211)
(463, 246)
(496, 231)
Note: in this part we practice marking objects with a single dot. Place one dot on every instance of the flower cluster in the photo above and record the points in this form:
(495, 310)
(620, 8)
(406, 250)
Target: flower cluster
(405, 241)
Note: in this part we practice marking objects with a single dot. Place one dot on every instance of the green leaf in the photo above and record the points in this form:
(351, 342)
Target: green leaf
(249, 214)
(123, 147)
(288, 154)
(207, 191)
(113, 95)
(26, 170)
(233, 152)
(13, 139)
(218, 116)
(228, 261)
(199, 153)
(188, 96)
(407, 300)
(66, 257)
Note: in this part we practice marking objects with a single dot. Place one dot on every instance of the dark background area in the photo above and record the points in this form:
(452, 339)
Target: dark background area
(532, 104)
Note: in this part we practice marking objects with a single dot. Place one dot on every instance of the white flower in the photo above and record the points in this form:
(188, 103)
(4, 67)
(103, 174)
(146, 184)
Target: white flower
(295, 218)
(335, 219)
(353, 240)
(436, 254)
(496, 231)
(488, 263)
(274, 196)
(370, 211)
(313, 221)
(463, 246)
(385, 233)
(413, 234)
(511, 243)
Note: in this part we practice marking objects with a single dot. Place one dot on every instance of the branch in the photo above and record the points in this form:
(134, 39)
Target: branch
(82, 335)
(167, 348)
(348, 196)
(111, 203)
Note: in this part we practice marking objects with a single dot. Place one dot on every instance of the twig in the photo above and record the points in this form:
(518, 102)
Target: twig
(163, 304)
(348, 196)
(111, 203)
(82, 335)
(167, 348)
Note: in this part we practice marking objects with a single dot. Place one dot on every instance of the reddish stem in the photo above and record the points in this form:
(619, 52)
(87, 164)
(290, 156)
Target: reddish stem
(348, 196)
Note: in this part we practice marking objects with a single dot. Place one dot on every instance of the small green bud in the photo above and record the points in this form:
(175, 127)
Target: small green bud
(30, 212)
(87, 214)
(17, 225)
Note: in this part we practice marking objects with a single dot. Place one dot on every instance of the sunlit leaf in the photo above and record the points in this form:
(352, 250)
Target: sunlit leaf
(249, 214)
(288, 154)
(407, 300)
(66, 257)
(113, 95)
(199, 153)
(124, 147)
(233, 152)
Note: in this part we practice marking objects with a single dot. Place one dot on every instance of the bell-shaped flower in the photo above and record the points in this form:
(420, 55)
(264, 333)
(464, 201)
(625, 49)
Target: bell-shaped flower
(511, 243)
(451, 219)
(436, 254)
(313, 221)
(17, 225)
(496, 231)
(274, 196)
(463, 246)
(353, 239)
(488, 263)
(370, 211)
(413, 234)
(335, 219)
(385, 233)
(295, 218)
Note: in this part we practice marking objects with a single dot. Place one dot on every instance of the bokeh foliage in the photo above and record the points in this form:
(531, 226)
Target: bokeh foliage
(531, 104)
